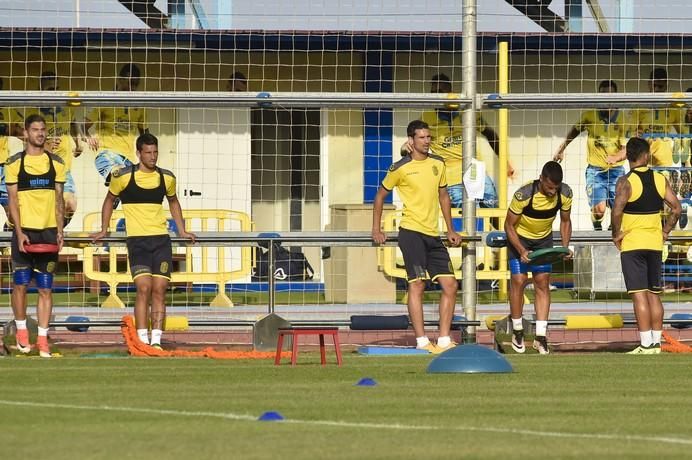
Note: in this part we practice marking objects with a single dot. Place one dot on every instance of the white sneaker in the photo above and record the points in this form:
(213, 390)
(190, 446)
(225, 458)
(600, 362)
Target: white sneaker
(540, 344)
(518, 341)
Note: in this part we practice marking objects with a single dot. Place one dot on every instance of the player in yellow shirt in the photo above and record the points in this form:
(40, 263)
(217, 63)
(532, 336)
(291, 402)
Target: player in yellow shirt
(420, 179)
(655, 124)
(446, 131)
(117, 128)
(35, 179)
(142, 188)
(605, 153)
(639, 235)
(62, 131)
(529, 226)
(9, 127)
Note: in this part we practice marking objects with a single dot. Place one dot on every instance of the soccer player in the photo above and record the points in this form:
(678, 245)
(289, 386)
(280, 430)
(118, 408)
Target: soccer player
(529, 226)
(237, 82)
(654, 124)
(605, 153)
(62, 139)
(116, 128)
(639, 235)
(35, 179)
(9, 126)
(421, 180)
(446, 130)
(142, 188)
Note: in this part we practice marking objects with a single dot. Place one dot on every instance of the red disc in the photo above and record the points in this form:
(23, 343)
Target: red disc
(41, 248)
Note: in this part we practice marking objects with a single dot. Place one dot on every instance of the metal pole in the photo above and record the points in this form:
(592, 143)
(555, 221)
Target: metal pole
(469, 152)
(503, 135)
(271, 267)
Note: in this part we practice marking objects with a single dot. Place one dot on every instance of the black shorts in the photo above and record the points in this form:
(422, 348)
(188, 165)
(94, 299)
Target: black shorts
(641, 269)
(41, 262)
(530, 245)
(424, 253)
(150, 255)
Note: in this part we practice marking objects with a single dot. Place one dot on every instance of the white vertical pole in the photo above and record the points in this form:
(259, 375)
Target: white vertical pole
(469, 152)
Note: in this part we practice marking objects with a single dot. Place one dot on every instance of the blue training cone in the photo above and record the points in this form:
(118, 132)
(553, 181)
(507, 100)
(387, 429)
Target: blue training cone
(270, 416)
(366, 382)
(470, 359)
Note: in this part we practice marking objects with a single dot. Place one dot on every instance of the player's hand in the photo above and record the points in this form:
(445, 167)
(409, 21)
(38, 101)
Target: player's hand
(612, 159)
(559, 156)
(453, 238)
(525, 256)
(93, 143)
(53, 143)
(22, 241)
(617, 239)
(510, 170)
(378, 236)
(568, 256)
(190, 236)
(665, 236)
(97, 236)
(406, 147)
(77, 151)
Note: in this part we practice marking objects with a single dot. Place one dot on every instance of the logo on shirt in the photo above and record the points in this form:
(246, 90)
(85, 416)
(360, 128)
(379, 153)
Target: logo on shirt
(39, 182)
(435, 171)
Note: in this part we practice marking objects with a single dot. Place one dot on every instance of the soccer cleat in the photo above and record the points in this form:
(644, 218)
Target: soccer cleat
(540, 344)
(518, 341)
(43, 347)
(443, 349)
(642, 350)
(657, 348)
(157, 346)
(431, 348)
(23, 344)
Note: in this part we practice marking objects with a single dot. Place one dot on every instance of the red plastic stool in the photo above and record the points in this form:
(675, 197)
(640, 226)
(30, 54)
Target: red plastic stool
(295, 332)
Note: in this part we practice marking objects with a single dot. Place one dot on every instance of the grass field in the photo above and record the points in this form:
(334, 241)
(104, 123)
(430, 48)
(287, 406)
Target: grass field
(559, 406)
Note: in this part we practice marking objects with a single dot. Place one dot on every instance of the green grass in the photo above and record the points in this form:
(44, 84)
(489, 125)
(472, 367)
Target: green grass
(558, 406)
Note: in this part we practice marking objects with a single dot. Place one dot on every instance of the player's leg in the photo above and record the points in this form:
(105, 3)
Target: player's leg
(541, 284)
(635, 274)
(162, 259)
(441, 271)
(45, 265)
(456, 195)
(654, 298)
(518, 280)
(70, 198)
(413, 249)
(597, 193)
(22, 273)
(143, 284)
(140, 258)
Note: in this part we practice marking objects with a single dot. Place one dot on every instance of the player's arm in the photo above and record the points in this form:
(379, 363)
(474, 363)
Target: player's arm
(623, 191)
(566, 229)
(511, 222)
(571, 135)
(85, 127)
(177, 213)
(446, 206)
(493, 139)
(13, 195)
(106, 214)
(673, 203)
(59, 212)
(378, 235)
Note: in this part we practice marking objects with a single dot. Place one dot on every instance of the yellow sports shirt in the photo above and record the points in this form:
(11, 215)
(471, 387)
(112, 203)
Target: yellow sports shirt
(143, 219)
(37, 200)
(446, 131)
(536, 228)
(643, 230)
(660, 122)
(418, 183)
(118, 128)
(606, 136)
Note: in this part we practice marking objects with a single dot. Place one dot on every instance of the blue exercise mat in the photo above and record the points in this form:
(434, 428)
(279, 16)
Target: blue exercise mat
(390, 351)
